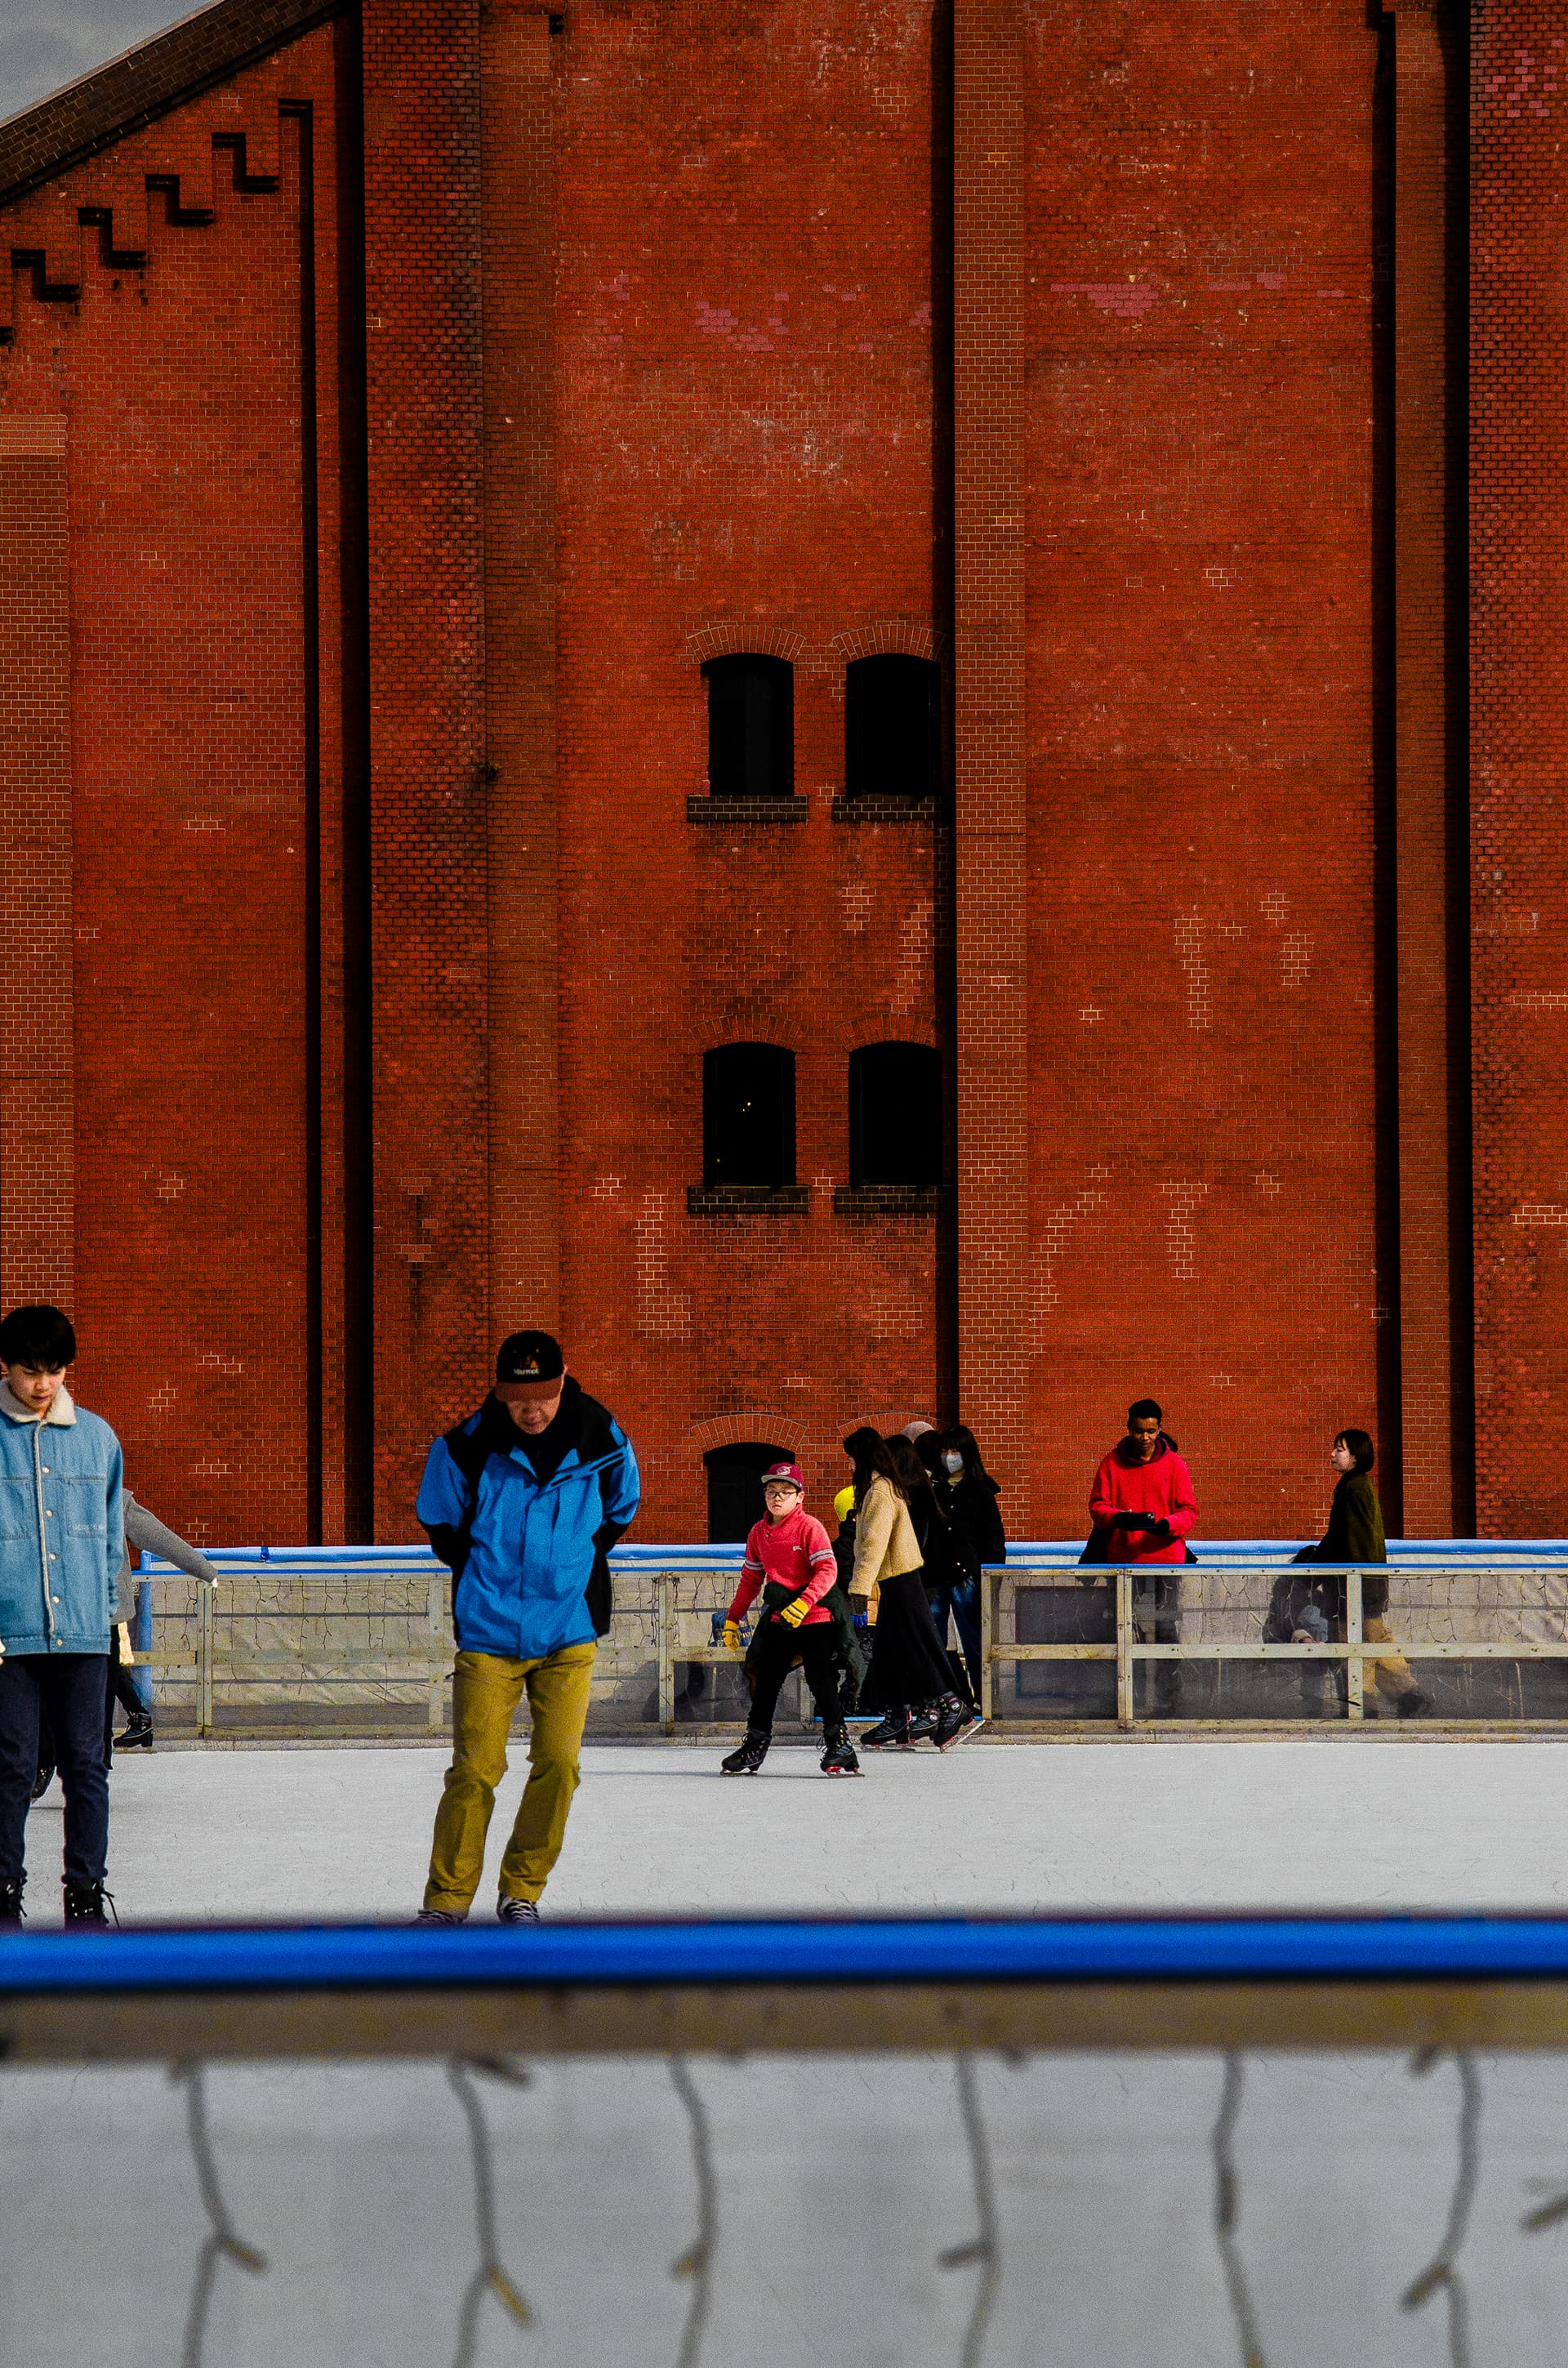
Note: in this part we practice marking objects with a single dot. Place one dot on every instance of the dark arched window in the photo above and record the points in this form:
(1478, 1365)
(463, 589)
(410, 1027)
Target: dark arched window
(892, 714)
(748, 1116)
(895, 1117)
(751, 727)
(734, 1488)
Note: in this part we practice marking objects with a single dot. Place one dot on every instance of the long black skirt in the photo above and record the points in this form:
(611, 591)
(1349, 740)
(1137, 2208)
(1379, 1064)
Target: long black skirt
(908, 1662)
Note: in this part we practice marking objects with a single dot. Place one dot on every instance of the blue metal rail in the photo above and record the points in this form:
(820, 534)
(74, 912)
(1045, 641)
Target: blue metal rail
(891, 1951)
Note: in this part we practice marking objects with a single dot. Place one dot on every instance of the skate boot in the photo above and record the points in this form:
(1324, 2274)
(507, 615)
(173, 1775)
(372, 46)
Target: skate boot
(893, 1734)
(137, 1734)
(43, 1780)
(517, 1911)
(922, 1723)
(955, 1719)
(748, 1760)
(838, 1755)
(11, 1908)
(437, 1916)
(84, 1903)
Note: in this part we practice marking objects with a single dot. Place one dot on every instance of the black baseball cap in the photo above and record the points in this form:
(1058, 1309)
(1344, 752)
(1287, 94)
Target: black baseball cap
(528, 1365)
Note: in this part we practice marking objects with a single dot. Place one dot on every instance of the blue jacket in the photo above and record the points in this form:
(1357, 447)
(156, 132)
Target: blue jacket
(529, 1557)
(62, 1528)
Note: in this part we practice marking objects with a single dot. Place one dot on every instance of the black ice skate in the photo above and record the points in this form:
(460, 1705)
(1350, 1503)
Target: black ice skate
(748, 1760)
(84, 1903)
(839, 1757)
(923, 1721)
(43, 1780)
(11, 1908)
(137, 1734)
(893, 1734)
(955, 1719)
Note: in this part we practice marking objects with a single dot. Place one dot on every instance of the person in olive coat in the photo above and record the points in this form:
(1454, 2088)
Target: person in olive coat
(1355, 1535)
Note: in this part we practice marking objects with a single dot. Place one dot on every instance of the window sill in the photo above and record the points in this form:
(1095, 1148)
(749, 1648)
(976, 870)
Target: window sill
(891, 1201)
(912, 809)
(753, 810)
(747, 1199)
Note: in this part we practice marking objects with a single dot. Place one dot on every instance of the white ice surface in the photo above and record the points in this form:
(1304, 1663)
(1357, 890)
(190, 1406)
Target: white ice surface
(840, 2181)
(1372, 1823)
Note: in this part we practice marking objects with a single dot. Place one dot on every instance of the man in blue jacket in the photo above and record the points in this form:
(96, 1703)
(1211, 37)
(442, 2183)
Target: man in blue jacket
(523, 1502)
(62, 1543)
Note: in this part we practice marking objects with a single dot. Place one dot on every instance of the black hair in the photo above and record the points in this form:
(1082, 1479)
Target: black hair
(916, 1480)
(1142, 1410)
(1360, 1446)
(962, 1441)
(868, 1451)
(928, 1448)
(42, 1337)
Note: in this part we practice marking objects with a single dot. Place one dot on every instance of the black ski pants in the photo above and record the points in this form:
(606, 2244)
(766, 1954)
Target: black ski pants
(775, 1650)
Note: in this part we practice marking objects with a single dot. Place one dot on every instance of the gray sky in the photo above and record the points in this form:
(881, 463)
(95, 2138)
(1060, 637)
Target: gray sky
(46, 42)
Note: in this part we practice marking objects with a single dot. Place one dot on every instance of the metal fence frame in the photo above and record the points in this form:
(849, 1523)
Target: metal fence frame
(678, 1642)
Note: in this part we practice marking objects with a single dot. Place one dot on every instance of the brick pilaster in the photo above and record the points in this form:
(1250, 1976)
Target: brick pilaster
(37, 1162)
(990, 873)
(1519, 348)
(519, 628)
(428, 789)
(1432, 862)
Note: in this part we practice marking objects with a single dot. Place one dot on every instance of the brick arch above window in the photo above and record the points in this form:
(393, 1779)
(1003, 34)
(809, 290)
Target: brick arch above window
(886, 1027)
(729, 637)
(881, 636)
(730, 1430)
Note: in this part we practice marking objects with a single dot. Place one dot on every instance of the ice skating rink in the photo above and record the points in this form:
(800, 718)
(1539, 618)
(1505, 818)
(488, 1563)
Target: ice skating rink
(839, 2183)
(1379, 1821)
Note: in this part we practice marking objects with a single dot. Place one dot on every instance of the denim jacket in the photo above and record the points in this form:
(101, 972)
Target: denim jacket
(62, 1528)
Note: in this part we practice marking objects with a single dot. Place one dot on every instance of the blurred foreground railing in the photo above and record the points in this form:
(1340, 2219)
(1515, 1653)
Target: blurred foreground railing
(343, 1641)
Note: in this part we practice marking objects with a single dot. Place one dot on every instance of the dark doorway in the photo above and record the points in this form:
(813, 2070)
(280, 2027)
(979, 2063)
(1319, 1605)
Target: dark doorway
(734, 1488)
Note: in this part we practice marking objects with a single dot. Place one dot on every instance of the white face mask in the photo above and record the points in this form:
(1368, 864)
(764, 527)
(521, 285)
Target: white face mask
(953, 1464)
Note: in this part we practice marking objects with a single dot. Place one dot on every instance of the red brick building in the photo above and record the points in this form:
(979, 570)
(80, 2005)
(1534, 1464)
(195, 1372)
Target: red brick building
(456, 462)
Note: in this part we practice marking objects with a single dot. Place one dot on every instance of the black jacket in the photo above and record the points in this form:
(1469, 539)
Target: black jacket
(971, 1505)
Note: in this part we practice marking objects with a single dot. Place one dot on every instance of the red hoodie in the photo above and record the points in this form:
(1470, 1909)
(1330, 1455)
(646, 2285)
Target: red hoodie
(795, 1552)
(1162, 1488)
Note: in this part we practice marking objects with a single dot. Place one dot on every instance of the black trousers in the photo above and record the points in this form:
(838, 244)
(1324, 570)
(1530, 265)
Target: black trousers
(71, 1685)
(772, 1660)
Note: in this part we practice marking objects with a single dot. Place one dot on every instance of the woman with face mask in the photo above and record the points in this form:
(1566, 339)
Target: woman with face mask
(968, 1495)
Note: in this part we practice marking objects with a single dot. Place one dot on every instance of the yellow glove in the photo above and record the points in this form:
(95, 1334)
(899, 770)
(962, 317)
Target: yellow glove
(793, 1613)
(731, 1635)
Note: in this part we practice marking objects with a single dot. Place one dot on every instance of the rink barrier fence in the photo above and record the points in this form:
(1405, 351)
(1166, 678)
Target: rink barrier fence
(786, 1985)
(395, 1643)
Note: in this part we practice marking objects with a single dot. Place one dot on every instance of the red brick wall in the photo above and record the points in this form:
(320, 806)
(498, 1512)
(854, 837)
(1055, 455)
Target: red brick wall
(171, 343)
(1200, 480)
(386, 627)
(744, 389)
(1519, 753)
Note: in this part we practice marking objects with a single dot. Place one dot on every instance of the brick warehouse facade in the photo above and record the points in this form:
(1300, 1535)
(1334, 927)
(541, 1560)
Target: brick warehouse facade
(401, 403)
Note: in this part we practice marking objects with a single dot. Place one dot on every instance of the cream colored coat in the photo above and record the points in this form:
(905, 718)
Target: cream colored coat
(885, 1543)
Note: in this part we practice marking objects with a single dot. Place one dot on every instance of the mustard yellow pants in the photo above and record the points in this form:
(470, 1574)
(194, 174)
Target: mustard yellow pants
(487, 1689)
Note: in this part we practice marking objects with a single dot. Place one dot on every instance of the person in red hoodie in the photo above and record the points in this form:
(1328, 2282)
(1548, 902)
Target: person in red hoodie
(1142, 1508)
(790, 1560)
